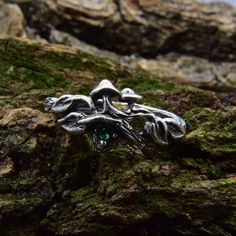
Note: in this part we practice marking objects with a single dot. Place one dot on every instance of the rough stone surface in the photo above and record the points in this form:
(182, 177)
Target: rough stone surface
(176, 67)
(55, 184)
(149, 28)
(11, 20)
(192, 70)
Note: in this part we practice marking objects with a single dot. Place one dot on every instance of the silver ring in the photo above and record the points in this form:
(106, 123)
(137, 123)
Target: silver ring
(109, 121)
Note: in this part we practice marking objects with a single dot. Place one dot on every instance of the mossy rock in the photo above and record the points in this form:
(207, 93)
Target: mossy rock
(55, 184)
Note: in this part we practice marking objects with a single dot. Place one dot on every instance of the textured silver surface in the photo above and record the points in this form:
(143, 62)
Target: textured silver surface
(108, 121)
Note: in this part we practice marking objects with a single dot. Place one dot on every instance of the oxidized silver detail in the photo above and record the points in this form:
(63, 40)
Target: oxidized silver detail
(108, 121)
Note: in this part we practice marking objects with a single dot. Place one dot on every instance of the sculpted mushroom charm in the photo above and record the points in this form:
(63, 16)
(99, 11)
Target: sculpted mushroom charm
(105, 91)
(107, 123)
(129, 96)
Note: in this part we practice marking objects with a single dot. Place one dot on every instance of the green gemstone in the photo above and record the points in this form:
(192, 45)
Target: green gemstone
(104, 136)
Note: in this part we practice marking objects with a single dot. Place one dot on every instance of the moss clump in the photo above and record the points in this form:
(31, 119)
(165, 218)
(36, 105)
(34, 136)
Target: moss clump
(142, 81)
(212, 131)
(66, 216)
(214, 173)
(61, 63)
(16, 80)
(54, 61)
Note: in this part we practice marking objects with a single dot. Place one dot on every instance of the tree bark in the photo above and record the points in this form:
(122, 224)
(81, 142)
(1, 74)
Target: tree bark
(149, 28)
(55, 184)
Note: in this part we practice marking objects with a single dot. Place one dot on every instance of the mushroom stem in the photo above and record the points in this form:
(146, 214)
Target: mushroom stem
(104, 98)
(114, 111)
(131, 105)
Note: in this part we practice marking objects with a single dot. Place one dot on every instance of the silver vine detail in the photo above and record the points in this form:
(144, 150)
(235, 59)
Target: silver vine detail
(108, 121)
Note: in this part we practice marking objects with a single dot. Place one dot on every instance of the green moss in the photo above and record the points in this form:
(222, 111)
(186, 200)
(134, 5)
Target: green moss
(16, 80)
(194, 163)
(65, 217)
(199, 98)
(214, 172)
(212, 131)
(52, 60)
(226, 186)
(86, 195)
(142, 81)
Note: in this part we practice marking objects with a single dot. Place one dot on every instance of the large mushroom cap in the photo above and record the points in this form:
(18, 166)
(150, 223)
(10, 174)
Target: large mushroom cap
(104, 87)
(128, 94)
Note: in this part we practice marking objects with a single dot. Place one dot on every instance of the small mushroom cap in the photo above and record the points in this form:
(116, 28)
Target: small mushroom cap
(128, 94)
(104, 87)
